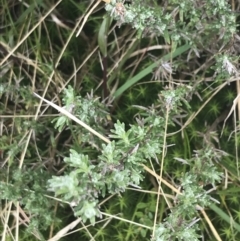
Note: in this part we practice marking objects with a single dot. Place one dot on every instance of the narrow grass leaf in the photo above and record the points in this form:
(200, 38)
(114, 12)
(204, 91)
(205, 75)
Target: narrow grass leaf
(225, 217)
(148, 70)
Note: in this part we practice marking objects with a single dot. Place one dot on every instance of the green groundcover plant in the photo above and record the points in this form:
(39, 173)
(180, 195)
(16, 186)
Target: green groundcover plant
(140, 119)
(120, 164)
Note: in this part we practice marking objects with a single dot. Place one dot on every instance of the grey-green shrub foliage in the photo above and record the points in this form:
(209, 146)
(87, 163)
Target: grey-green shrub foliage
(192, 20)
(208, 25)
(119, 164)
(203, 24)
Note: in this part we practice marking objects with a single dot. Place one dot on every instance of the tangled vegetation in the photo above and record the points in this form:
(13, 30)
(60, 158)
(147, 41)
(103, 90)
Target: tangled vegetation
(119, 120)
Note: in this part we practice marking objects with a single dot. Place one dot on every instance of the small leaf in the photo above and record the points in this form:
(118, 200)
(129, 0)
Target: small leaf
(102, 35)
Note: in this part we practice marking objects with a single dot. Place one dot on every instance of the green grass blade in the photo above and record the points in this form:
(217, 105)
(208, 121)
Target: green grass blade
(29, 10)
(225, 217)
(103, 34)
(148, 70)
(227, 162)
